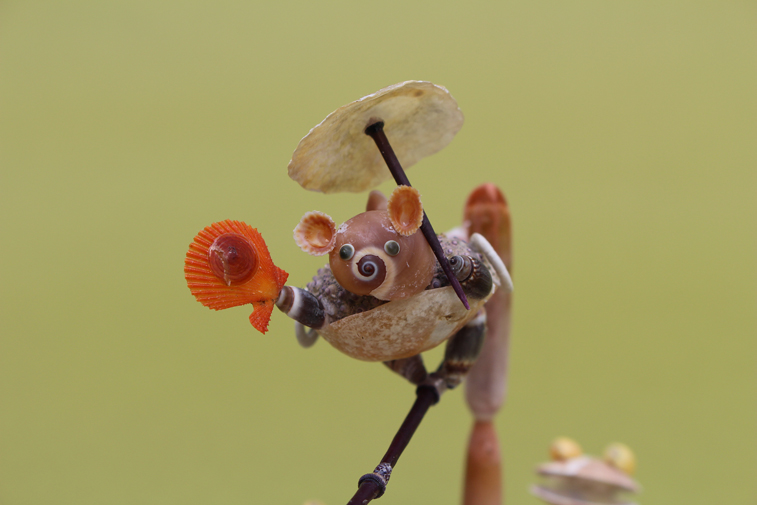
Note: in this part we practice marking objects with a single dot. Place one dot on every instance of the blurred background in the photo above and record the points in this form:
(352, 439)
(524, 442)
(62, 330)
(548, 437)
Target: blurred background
(623, 134)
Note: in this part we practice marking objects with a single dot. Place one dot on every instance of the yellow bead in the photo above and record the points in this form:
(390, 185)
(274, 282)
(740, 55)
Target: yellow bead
(563, 448)
(621, 457)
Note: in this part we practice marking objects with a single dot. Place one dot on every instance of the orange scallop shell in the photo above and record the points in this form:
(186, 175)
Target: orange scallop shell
(405, 210)
(315, 233)
(261, 290)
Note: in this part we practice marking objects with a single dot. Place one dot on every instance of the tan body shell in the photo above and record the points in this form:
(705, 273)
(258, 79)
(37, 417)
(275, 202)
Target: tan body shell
(403, 328)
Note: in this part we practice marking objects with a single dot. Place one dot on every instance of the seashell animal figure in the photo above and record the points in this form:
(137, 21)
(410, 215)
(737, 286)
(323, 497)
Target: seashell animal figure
(388, 292)
(572, 478)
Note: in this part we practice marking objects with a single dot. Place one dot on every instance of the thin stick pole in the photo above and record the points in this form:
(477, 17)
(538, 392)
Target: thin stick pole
(371, 488)
(376, 132)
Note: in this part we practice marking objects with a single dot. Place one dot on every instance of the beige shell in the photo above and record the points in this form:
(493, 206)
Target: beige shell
(420, 118)
(403, 328)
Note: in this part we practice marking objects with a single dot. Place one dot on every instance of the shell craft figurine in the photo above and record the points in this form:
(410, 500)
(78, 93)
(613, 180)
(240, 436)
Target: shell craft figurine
(388, 292)
(392, 288)
(572, 478)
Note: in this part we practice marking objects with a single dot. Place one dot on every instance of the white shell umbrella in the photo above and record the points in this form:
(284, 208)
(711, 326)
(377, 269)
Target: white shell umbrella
(419, 117)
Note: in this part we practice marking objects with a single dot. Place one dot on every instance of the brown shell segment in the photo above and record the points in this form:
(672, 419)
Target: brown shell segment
(420, 118)
(405, 210)
(376, 201)
(315, 233)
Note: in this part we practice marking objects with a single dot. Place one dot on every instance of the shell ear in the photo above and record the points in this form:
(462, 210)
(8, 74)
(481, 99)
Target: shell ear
(405, 210)
(315, 233)
(376, 201)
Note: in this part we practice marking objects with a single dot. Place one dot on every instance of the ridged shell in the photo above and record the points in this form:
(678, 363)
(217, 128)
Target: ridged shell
(405, 210)
(315, 233)
(214, 292)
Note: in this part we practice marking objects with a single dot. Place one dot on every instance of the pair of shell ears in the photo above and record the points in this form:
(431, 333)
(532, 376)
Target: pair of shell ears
(316, 231)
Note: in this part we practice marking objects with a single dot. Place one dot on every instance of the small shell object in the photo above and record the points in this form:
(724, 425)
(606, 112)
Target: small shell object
(420, 118)
(375, 253)
(575, 479)
(405, 210)
(228, 264)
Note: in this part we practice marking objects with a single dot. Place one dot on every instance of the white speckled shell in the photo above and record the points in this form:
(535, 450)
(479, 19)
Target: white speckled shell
(420, 118)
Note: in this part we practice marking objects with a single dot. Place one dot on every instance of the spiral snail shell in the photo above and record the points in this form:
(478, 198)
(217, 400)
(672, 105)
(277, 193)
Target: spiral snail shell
(233, 259)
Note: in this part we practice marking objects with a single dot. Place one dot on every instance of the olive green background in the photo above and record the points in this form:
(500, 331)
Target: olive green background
(623, 134)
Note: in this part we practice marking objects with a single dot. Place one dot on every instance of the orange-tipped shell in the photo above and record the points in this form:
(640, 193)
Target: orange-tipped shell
(315, 233)
(405, 210)
(224, 288)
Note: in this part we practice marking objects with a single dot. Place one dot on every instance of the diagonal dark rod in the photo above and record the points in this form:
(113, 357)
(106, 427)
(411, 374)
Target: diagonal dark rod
(376, 132)
(426, 397)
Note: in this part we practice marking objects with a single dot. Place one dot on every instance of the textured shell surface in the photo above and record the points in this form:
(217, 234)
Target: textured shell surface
(420, 118)
(369, 329)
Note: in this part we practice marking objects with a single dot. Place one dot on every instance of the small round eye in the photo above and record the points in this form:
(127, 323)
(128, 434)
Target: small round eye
(346, 252)
(392, 248)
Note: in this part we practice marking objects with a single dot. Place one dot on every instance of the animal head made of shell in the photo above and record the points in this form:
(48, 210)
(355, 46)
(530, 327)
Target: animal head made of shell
(377, 252)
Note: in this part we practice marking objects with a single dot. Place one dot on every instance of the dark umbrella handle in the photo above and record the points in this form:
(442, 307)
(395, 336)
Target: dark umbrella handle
(376, 132)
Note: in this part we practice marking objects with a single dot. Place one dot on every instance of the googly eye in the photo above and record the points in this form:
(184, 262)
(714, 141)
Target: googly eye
(392, 248)
(346, 252)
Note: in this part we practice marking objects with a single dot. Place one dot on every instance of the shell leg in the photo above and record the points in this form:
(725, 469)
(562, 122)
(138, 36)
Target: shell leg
(306, 337)
(462, 350)
(304, 308)
(411, 368)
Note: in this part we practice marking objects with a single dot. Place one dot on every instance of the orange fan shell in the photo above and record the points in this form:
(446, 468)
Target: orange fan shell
(228, 264)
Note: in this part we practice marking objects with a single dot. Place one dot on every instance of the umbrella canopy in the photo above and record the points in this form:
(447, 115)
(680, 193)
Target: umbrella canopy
(420, 118)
